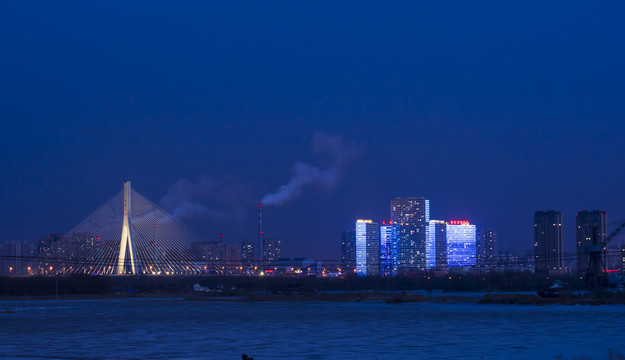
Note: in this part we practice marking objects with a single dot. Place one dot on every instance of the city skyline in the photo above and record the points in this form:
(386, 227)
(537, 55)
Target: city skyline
(490, 111)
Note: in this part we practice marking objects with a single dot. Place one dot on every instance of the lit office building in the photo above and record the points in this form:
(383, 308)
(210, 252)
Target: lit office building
(388, 249)
(367, 248)
(547, 241)
(436, 247)
(412, 217)
(487, 248)
(587, 223)
(461, 243)
(348, 251)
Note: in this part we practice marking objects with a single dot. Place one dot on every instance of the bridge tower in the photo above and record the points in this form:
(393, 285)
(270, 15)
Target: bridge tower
(127, 243)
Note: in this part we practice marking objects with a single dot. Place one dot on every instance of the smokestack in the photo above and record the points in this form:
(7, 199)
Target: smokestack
(260, 232)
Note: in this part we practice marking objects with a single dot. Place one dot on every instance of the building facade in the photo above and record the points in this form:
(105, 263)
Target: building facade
(348, 251)
(436, 247)
(487, 248)
(547, 241)
(412, 217)
(272, 250)
(461, 243)
(388, 249)
(248, 253)
(589, 224)
(367, 248)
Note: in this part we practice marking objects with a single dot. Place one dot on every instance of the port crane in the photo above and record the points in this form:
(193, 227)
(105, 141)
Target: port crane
(596, 274)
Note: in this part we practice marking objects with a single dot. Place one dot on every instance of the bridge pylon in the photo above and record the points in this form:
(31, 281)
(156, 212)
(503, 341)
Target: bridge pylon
(127, 242)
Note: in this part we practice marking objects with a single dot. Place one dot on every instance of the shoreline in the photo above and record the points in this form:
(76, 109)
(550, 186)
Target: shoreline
(508, 298)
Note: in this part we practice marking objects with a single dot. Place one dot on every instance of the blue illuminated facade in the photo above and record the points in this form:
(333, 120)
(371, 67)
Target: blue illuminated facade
(388, 249)
(367, 248)
(461, 239)
(436, 246)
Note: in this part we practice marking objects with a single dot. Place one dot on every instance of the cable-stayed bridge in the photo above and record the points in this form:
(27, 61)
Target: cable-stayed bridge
(128, 234)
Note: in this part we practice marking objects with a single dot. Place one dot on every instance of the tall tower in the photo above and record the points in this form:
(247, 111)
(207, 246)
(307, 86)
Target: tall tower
(547, 241)
(487, 247)
(127, 243)
(436, 248)
(348, 251)
(260, 233)
(367, 248)
(412, 217)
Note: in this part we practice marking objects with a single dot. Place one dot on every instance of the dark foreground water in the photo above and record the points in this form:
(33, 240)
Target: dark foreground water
(175, 329)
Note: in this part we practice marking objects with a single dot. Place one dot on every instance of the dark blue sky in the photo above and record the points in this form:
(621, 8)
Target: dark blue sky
(490, 110)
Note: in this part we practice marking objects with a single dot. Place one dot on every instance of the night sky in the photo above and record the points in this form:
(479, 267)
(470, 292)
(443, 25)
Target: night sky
(491, 110)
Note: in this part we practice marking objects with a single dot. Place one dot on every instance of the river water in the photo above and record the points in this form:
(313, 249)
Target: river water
(177, 329)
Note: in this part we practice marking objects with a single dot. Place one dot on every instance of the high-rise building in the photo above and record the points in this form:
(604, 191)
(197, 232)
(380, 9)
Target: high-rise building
(436, 248)
(487, 248)
(367, 248)
(623, 258)
(348, 251)
(412, 217)
(272, 250)
(547, 241)
(589, 223)
(248, 252)
(388, 249)
(461, 243)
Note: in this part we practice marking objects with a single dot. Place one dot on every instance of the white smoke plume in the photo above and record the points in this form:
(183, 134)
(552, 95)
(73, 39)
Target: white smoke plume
(338, 153)
(201, 199)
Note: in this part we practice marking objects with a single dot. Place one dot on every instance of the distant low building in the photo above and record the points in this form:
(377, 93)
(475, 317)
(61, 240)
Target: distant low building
(231, 258)
(18, 258)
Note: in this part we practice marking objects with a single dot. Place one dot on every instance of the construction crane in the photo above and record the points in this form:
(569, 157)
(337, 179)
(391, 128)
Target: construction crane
(596, 274)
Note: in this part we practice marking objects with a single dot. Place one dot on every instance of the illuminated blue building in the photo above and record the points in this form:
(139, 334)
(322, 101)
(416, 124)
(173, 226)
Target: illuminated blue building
(388, 249)
(412, 217)
(461, 237)
(367, 248)
(436, 246)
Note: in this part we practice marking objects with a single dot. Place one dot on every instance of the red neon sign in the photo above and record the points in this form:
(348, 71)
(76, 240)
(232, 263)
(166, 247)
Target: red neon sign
(458, 222)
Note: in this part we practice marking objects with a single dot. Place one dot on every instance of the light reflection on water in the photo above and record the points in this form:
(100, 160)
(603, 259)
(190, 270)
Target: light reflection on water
(176, 329)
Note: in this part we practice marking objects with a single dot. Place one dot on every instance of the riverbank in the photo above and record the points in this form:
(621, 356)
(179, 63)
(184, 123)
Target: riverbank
(350, 296)
(366, 296)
